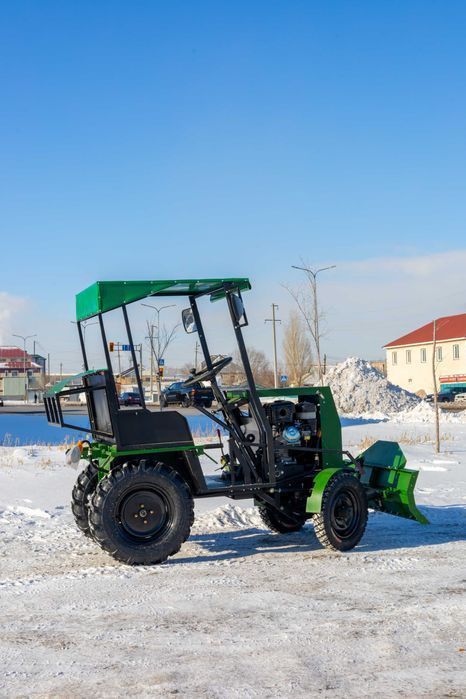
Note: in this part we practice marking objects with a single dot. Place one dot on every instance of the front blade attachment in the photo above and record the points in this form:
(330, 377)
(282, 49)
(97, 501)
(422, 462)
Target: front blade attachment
(389, 485)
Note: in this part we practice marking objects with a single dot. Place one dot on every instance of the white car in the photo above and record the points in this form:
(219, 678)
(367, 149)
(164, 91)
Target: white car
(460, 397)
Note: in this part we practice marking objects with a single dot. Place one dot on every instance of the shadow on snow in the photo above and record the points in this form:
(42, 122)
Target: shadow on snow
(383, 533)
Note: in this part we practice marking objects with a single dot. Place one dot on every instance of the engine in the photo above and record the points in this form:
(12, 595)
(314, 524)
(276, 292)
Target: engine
(293, 425)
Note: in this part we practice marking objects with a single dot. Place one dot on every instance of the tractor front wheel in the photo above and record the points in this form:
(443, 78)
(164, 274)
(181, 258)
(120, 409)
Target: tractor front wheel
(141, 513)
(343, 517)
(277, 523)
(81, 496)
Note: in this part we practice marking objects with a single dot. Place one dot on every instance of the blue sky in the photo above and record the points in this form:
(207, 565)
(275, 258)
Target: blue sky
(159, 140)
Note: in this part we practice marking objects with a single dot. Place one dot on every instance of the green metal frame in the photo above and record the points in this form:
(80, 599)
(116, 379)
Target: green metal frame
(331, 435)
(107, 296)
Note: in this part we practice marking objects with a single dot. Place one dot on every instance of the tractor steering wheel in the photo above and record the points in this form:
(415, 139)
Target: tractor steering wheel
(208, 374)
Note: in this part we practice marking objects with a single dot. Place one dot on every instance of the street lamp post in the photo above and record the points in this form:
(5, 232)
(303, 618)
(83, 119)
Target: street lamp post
(84, 325)
(24, 338)
(151, 338)
(312, 277)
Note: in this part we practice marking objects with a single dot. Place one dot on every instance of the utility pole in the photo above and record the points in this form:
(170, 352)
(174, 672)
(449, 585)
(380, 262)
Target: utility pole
(61, 371)
(48, 365)
(434, 377)
(159, 347)
(196, 350)
(24, 338)
(274, 322)
(315, 330)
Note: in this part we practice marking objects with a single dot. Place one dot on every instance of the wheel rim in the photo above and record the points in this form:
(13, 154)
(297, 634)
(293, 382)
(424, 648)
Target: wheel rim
(144, 513)
(345, 514)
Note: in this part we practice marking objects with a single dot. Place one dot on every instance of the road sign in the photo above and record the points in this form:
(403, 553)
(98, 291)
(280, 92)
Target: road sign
(161, 362)
(283, 378)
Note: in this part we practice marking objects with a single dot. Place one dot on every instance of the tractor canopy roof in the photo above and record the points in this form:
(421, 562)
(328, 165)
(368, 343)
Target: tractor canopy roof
(106, 296)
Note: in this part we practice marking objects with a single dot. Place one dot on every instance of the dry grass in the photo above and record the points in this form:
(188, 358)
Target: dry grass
(405, 438)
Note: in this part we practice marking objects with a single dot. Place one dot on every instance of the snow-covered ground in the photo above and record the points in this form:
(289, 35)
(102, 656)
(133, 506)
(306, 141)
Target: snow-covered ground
(239, 612)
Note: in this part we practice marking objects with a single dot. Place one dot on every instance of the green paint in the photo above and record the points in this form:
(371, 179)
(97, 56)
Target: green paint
(105, 454)
(106, 296)
(314, 501)
(384, 471)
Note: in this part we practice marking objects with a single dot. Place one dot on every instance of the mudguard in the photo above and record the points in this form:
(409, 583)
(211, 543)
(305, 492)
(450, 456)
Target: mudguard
(314, 501)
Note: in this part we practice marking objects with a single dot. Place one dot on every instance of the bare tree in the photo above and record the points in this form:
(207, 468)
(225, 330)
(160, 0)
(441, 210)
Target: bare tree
(297, 349)
(260, 367)
(158, 347)
(306, 300)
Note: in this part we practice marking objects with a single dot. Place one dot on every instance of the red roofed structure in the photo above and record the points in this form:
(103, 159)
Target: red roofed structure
(409, 358)
(447, 328)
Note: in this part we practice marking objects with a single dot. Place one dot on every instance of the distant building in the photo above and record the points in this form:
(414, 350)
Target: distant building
(20, 373)
(409, 358)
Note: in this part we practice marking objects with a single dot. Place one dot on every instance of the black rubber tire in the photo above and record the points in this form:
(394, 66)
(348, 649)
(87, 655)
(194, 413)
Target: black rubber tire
(281, 525)
(81, 496)
(186, 402)
(342, 520)
(208, 404)
(164, 402)
(112, 512)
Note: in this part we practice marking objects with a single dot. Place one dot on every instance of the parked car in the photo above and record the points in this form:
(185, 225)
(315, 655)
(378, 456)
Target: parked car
(446, 395)
(460, 397)
(130, 398)
(178, 393)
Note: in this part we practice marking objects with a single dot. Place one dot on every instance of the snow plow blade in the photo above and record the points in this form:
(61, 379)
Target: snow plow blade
(389, 485)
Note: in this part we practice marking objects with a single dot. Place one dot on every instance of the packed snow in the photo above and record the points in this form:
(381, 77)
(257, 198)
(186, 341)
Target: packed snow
(358, 388)
(239, 611)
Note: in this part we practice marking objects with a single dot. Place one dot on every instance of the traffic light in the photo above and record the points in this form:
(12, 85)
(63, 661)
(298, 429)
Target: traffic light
(161, 372)
(111, 346)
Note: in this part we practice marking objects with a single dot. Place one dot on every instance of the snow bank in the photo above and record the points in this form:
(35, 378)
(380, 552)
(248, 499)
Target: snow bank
(358, 388)
(424, 412)
(228, 516)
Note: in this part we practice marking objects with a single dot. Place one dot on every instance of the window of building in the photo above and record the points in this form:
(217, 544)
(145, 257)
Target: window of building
(423, 355)
(439, 354)
(408, 356)
(456, 351)
(394, 358)
(14, 374)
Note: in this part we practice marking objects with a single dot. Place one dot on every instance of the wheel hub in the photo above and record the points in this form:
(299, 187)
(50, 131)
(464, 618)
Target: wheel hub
(345, 515)
(143, 513)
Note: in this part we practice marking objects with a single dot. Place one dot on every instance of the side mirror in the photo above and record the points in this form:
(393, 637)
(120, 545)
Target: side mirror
(238, 309)
(189, 324)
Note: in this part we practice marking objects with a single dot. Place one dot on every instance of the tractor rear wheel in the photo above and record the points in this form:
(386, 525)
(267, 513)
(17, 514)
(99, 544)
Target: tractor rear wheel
(81, 496)
(343, 517)
(277, 523)
(141, 513)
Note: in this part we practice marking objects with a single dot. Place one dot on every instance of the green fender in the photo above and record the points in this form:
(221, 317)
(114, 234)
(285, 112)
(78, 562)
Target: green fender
(314, 501)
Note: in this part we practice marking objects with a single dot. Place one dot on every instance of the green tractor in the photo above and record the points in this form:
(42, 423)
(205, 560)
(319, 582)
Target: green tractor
(135, 497)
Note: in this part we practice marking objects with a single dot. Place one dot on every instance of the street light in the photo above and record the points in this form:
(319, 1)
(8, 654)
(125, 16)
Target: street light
(24, 338)
(84, 324)
(312, 276)
(151, 338)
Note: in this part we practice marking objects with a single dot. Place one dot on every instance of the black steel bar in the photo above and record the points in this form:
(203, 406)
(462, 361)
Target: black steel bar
(83, 346)
(265, 430)
(133, 355)
(235, 430)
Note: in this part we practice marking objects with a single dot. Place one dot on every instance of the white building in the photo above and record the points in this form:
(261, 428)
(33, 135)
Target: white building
(409, 358)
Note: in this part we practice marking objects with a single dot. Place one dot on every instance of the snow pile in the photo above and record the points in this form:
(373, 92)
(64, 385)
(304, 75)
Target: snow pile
(228, 516)
(425, 412)
(359, 388)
